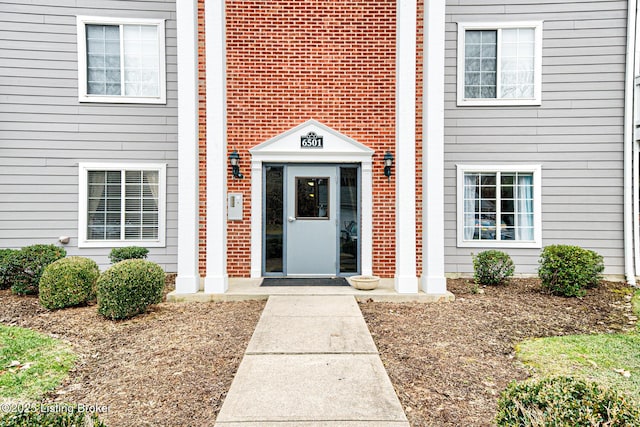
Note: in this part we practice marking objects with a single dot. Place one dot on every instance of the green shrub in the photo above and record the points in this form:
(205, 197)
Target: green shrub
(129, 287)
(565, 402)
(566, 270)
(52, 415)
(129, 252)
(492, 267)
(24, 267)
(5, 282)
(68, 282)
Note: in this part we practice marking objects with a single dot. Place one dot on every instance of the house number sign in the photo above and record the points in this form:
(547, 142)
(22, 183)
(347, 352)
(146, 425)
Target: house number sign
(311, 140)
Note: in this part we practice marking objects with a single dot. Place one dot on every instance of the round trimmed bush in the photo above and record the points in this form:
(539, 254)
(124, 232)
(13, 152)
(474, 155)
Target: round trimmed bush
(69, 282)
(566, 270)
(564, 401)
(52, 415)
(492, 267)
(24, 267)
(129, 287)
(128, 252)
(5, 254)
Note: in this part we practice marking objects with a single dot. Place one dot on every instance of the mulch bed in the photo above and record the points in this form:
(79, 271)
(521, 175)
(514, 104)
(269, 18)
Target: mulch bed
(170, 367)
(448, 362)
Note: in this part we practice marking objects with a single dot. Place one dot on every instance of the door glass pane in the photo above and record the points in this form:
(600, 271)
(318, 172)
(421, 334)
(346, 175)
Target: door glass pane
(349, 227)
(274, 219)
(312, 198)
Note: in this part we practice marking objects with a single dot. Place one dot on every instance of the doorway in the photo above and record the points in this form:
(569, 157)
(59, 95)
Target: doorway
(311, 220)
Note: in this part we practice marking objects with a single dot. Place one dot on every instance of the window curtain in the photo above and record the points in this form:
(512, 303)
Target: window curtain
(151, 180)
(149, 223)
(470, 211)
(524, 207)
(96, 182)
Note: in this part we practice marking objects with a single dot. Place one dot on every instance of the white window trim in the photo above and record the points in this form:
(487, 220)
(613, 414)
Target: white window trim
(81, 22)
(84, 168)
(537, 78)
(537, 206)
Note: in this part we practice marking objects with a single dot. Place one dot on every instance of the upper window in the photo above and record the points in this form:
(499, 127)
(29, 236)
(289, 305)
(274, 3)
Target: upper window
(499, 206)
(121, 60)
(122, 205)
(499, 64)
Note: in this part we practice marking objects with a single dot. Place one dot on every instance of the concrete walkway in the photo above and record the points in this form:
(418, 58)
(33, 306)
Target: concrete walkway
(311, 362)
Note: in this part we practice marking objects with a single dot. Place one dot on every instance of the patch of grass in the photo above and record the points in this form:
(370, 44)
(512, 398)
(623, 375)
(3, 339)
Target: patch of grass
(635, 304)
(611, 360)
(31, 364)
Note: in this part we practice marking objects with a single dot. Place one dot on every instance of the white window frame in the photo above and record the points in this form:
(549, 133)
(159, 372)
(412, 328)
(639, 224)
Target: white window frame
(537, 77)
(82, 22)
(84, 168)
(536, 170)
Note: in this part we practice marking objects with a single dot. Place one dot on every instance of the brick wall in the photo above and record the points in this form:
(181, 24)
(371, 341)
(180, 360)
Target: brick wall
(291, 61)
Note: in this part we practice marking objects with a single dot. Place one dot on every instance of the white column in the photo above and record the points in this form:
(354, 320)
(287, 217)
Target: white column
(187, 280)
(256, 218)
(216, 280)
(366, 250)
(404, 169)
(433, 279)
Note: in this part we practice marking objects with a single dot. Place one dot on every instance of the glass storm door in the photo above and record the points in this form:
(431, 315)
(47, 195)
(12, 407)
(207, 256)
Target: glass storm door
(311, 220)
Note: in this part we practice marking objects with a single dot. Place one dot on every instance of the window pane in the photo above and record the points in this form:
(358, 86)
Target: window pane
(480, 206)
(312, 198)
(517, 60)
(488, 92)
(472, 91)
(524, 206)
(149, 233)
(480, 59)
(349, 230)
(103, 205)
(141, 205)
(103, 59)
(274, 219)
(150, 218)
(141, 60)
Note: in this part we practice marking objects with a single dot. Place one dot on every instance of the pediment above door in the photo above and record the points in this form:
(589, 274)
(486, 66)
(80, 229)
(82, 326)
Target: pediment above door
(298, 145)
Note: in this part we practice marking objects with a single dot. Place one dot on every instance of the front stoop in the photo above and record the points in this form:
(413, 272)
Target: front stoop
(250, 289)
(311, 362)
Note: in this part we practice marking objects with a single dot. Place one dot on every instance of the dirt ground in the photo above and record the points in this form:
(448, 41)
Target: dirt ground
(173, 366)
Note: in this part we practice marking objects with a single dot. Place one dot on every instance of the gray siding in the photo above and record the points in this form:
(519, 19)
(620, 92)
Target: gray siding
(45, 132)
(576, 134)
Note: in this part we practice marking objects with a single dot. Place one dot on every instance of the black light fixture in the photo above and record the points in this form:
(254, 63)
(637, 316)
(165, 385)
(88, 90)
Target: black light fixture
(388, 161)
(234, 158)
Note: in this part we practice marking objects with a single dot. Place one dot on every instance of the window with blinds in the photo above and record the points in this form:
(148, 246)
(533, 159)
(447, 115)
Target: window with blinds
(123, 205)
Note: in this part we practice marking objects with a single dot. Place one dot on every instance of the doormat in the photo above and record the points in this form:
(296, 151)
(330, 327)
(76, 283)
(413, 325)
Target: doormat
(291, 281)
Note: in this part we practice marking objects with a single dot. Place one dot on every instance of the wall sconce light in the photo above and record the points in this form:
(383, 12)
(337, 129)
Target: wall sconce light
(388, 162)
(234, 158)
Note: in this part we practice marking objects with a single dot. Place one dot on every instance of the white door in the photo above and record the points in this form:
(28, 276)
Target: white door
(312, 207)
